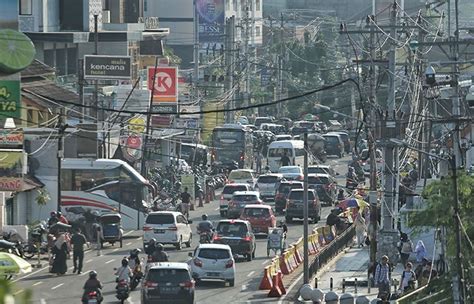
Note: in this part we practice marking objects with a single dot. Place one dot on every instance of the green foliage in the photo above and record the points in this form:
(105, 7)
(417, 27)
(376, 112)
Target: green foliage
(6, 294)
(43, 197)
(439, 211)
(174, 59)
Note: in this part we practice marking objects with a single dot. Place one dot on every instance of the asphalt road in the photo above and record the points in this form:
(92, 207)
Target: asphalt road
(48, 288)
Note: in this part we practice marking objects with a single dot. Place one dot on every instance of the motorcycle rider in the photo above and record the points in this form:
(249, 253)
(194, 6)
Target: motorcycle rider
(159, 255)
(124, 272)
(92, 284)
(151, 247)
(135, 265)
(205, 226)
(53, 219)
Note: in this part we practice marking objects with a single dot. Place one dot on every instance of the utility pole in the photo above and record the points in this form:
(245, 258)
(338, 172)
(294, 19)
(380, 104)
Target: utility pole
(280, 66)
(196, 52)
(60, 156)
(100, 127)
(247, 53)
(305, 213)
(229, 63)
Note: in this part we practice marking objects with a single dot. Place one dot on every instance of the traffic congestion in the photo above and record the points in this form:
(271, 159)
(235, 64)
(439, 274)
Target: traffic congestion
(246, 208)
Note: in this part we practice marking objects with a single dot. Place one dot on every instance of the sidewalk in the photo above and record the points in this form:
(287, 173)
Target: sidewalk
(349, 265)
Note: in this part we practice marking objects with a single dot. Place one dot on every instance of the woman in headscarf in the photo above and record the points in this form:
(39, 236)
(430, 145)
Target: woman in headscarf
(360, 227)
(420, 251)
(60, 251)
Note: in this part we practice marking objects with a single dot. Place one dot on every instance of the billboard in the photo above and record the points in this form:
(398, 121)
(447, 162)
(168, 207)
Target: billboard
(165, 81)
(12, 168)
(211, 16)
(107, 67)
(10, 102)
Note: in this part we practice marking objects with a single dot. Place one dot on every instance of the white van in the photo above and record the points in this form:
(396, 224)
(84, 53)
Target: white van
(294, 149)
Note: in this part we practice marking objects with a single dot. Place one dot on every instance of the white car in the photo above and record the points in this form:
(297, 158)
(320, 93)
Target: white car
(366, 161)
(283, 137)
(167, 227)
(242, 176)
(292, 172)
(267, 185)
(213, 262)
(227, 194)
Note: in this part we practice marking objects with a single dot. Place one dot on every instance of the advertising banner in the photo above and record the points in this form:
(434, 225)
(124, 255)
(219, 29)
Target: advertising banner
(12, 168)
(107, 67)
(211, 20)
(11, 139)
(166, 84)
(10, 102)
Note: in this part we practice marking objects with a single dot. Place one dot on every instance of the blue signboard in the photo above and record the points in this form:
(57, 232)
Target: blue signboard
(211, 15)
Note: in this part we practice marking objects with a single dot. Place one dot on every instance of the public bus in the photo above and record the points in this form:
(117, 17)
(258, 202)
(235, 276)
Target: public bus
(104, 186)
(232, 142)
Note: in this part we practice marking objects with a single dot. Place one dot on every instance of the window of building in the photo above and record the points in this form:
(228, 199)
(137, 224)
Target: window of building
(26, 7)
(257, 5)
(258, 31)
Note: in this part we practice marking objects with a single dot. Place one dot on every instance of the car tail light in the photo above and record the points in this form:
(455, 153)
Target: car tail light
(187, 284)
(173, 228)
(247, 239)
(216, 237)
(222, 197)
(150, 284)
(147, 228)
(92, 294)
(229, 264)
(197, 262)
(241, 156)
(300, 177)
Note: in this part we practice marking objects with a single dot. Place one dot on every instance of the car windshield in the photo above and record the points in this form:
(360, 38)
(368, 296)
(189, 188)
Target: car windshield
(285, 188)
(214, 254)
(320, 180)
(232, 189)
(257, 212)
(289, 170)
(244, 198)
(313, 170)
(298, 195)
(232, 229)
(279, 152)
(332, 139)
(174, 276)
(160, 219)
(267, 179)
(240, 175)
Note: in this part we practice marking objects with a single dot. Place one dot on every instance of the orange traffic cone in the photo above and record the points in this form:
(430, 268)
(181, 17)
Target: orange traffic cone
(284, 265)
(275, 292)
(266, 282)
(280, 282)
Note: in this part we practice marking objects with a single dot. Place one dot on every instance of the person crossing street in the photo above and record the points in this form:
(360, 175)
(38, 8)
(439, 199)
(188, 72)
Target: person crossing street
(78, 241)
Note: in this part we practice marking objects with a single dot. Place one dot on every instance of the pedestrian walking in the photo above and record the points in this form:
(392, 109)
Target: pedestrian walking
(59, 252)
(408, 279)
(382, 279)
(360, 228)
(258, 161)
(406, 248)
(420, 251)
(78, 241)
(185, 201)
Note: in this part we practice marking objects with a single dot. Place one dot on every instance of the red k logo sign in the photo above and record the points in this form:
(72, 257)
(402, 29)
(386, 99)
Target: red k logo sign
(163, 82)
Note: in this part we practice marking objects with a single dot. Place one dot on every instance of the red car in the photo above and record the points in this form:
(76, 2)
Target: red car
(261, 217)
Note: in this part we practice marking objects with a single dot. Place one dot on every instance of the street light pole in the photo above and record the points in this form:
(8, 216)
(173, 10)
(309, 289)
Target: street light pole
(305, 213)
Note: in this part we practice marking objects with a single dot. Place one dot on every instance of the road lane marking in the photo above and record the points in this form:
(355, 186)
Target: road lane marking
(244, 287)
(265, 262)
(128, 244)
(57, 286)
(38, 283)
(42, 301)
(109, 261)
(250, 274)
(18, 292)
(217, 209)
(89, 260)
(128, 232)
(84, 273)
(116, 249)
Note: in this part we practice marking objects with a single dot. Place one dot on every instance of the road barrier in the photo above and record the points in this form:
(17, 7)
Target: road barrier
(322, 243)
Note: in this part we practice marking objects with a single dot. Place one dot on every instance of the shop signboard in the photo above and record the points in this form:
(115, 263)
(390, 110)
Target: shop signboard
(211, 20)
(107, 67)
(12, 168)
(10, 103)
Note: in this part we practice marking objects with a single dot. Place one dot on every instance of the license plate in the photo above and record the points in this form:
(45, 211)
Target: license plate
(212, 274)
(167, 290)
(91, 301)
(159, 231)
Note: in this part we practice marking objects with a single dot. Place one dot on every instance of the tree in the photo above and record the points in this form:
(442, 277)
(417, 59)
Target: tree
(439, 213)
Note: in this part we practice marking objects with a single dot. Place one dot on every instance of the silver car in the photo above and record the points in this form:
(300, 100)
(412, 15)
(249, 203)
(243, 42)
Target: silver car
(267, 185)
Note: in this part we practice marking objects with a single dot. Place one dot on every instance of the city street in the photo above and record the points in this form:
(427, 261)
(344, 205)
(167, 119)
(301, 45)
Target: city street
(48, 288)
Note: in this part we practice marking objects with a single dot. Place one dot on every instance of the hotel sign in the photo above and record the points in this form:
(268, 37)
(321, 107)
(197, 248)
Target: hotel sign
(107, 67)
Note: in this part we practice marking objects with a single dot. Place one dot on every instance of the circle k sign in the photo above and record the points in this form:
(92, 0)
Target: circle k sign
(163, 82)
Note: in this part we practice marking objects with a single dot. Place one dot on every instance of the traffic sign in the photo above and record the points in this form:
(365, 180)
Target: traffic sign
(163, 83)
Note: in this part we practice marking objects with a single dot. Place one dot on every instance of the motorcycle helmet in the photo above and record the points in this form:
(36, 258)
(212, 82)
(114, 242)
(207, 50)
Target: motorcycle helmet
(124, 262)
(135, 252)
(92, 274)
(159, 247)
(204, 217)
(59, 214)
(152, 242)
(52, 213)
